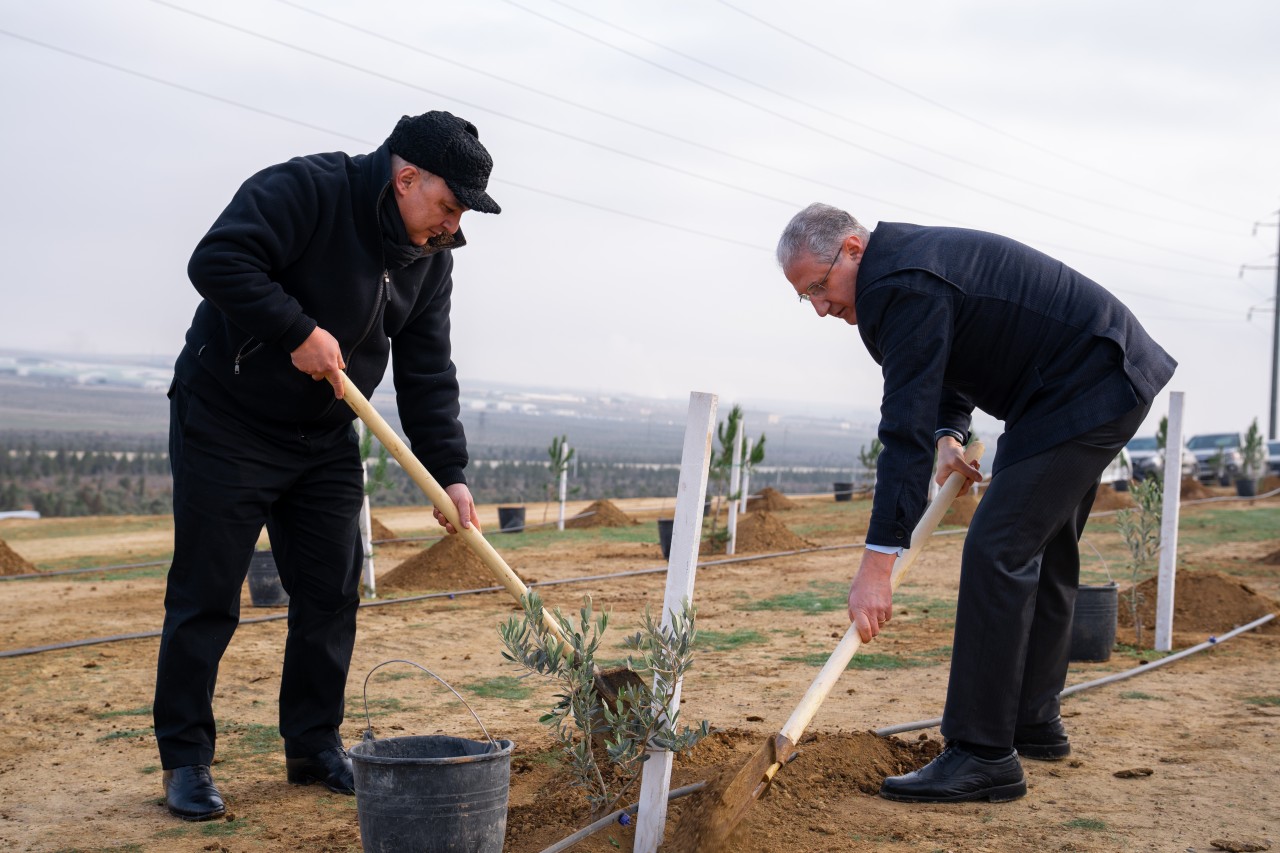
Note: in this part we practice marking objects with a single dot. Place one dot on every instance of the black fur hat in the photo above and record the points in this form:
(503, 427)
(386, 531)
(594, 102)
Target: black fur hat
(448, 146)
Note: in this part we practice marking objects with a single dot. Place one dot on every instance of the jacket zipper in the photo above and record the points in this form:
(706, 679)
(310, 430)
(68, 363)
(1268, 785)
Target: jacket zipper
(241, 355)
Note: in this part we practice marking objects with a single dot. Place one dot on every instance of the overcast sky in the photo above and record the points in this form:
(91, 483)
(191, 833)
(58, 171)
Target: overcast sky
(647, 157)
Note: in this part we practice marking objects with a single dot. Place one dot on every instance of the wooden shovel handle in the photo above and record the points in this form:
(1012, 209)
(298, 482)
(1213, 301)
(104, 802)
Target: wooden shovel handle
(851, 642)
(438, 497)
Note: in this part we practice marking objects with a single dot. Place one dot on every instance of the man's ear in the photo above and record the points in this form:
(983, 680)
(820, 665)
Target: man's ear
(403, 180)
(855, 245)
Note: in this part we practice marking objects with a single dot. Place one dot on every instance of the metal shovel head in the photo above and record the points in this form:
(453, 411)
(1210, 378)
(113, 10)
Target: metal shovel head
(715, 811)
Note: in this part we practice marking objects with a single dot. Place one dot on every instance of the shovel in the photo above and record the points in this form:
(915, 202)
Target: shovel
(720, 807)
(607, 682)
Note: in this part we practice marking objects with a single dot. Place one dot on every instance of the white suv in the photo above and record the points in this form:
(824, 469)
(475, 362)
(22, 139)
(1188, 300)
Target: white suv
(1207, 447)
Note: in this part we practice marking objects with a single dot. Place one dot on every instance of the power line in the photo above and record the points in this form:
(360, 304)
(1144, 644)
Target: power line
(826, 110)
(363, 141)
(835, 137)
(308, 125)
(979, 122)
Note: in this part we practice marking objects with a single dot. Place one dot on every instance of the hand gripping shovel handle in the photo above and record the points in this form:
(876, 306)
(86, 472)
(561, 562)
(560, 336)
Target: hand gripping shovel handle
(849, 645)
(438, 497)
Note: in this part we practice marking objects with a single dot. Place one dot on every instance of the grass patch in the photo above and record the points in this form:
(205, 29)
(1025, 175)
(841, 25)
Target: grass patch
(1138, 694)
(149, 769)
(871, 660)
(377, 707)
(724, 641)
(936, 608)
(140, 711)
(1215, 526)
(398, 676)
(126, 733)
(1267, 701)
(1090, 823)
(120, 574)
(1140, 654)
(820, 597)
(502, 687)
(244, 740)
(223, 828)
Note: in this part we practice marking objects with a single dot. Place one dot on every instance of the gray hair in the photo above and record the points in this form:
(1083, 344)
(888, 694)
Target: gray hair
(816, 231)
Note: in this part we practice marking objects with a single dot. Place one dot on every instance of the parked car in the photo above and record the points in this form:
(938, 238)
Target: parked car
(1148, 460)
(1206, 449)
(1273, 458)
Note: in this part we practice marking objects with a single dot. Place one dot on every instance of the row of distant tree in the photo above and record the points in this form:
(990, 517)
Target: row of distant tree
(68, 474)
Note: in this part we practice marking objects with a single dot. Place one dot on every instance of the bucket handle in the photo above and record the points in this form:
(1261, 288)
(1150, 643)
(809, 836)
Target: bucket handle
(368, 722)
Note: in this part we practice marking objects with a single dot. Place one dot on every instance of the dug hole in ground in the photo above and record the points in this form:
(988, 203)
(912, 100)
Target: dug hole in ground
(80, 770)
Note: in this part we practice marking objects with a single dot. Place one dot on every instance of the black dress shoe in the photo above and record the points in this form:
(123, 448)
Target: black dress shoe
(1042, 741)
(189, 793)
(959, 776)
(331, 767)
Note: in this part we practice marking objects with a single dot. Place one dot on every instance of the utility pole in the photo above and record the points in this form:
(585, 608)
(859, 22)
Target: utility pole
(1275, 326)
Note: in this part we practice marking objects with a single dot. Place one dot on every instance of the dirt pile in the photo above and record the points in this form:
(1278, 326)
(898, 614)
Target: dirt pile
(378, 530)
(760, 532)
(448, 564)
(1108, 499)
(600, 514)
(960, 513)
(1272, 559)
(826, 764)
(1202, 601)
(771, 500)
(1193, 490)
(12, 563)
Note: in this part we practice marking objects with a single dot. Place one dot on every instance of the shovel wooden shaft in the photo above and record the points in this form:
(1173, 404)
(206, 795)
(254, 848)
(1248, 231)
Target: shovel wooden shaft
(438, 497)
(851, 642)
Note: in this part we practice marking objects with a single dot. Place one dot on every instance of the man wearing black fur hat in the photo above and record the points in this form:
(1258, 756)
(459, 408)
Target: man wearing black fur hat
(323, 263)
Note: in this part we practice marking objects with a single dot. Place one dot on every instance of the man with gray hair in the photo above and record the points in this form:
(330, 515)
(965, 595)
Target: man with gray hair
(958, 320)
(324, 263)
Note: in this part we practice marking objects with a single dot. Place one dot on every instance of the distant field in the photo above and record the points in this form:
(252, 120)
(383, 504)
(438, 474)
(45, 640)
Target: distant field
(35, 406)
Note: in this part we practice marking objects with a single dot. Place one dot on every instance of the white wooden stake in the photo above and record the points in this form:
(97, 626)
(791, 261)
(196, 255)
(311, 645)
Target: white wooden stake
(686, 534)
(366, 531)
(564, 482)
(1169, 524)
(735, 484)
(746, 477)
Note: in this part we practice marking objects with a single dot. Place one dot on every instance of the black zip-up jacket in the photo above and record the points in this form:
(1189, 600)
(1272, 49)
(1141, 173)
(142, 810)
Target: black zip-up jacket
(959, 319)
(299, 246)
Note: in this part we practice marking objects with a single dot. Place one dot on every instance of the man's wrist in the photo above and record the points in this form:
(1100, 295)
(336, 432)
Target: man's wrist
(939, 434)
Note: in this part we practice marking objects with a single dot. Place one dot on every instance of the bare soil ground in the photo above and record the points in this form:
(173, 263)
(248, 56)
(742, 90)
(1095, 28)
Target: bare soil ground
(80, 772)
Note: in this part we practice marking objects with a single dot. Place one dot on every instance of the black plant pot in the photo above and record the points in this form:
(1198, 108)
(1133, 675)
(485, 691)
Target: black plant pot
(510, 519)
(1247, 488)
(665, 526)
(1093, 624)
(844, 491)
(265, 589)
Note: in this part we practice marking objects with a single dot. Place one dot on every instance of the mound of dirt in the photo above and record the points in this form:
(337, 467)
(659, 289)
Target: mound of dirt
(1193, 490)
(1268, 484)
(1272, 559)
(12, 563)
(378, 530)
(760, 532)
(600, 514)
(771, 500)
(826, 763)
(960, 513)
(1202, 601)
(1109, 499)
(448, 564)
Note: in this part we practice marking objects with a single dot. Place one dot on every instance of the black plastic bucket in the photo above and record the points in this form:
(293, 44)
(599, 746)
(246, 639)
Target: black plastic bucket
(510, 519)
(265, 589)
(1093, 624)
(665, 526)
(844, 491)
(432, 793)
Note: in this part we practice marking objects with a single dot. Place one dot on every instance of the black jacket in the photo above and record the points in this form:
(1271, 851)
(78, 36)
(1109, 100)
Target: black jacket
(301, 245)
(959, 319)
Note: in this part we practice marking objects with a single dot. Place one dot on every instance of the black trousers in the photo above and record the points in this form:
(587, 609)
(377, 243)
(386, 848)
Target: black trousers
(229, 479)
(1018, 578)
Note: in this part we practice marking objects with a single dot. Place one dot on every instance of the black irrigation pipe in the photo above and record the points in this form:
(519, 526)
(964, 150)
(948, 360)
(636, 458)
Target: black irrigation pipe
(94, 641)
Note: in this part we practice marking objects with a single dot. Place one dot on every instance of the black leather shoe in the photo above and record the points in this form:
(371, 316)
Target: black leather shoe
(331, 767)
(1043, 741)
(959, 776)
(189, 793)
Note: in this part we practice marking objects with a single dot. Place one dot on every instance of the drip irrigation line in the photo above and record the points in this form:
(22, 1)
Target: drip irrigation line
(115, 568)
(1106, 679)
(592, 829)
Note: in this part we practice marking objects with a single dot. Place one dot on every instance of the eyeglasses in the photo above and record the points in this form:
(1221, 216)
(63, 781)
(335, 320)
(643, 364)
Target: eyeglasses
(819, 286)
